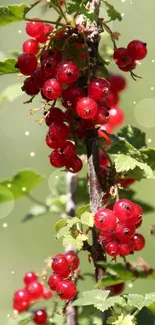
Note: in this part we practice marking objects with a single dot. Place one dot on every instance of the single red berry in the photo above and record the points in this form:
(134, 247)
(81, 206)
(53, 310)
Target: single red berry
(30, 87)
(98, 88)
(105, 220)
(31, 46)
(105, 127)
(35, 290)
(106, 237)
(86, 108)
(116, 116)
(112, 99)
(47, 294)
(40, 316)
(68, 150)
(71, 95)
(137, 50)
(138, 214)
(54, 115)
(117, 82)
(129, 67)
(44, 36)
(59, 131)
(124, 209)
(103, 158)
(125, 182)
(50, 143)
(20, 306)
(53, 280)
(66, 273)
(124, 231)
(52, 89)
(102, 116)
(67, 72)
(112, 249)
(126, 247)
(34, 28)
(116, 289)
(139, 223)
(122, 57)
(39, 77)
(30, 277)
(51, 53)
(59, 264)
(66, 290)
(21, 296)
(57, 159)
(73, 260)
(74, 165)
(139, 242)
(27, 63)
(49, 67)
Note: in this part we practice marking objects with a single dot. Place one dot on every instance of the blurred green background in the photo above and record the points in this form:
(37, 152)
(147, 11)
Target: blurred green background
(23, 247)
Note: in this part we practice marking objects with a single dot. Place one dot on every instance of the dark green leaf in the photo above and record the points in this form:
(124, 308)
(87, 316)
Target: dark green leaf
(134, 136)
(112, 12)
(12, 13)
(21, 184)
(60, 224)
(89, 14)
(74, 6)
(8, 66)
(148, 155)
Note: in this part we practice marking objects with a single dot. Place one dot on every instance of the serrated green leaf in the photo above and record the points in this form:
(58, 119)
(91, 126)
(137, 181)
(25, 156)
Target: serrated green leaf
(148, 155)
(125, 320)
(82, 209)
(11, 93)
(63, 232)
(21, 184)
(139, 301)
(12, 13)
(110, 302)
(72, 221)
(134, 136)
(122, 146)
(92, 297)
(8, 66)
(112, 12)
(124, 163)
(89, 14)
(87, 219)
(60, 224)
(77, 242)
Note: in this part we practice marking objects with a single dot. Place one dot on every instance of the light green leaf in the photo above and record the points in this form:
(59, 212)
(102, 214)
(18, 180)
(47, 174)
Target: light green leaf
(124, 163)
(60, 224)
(8, 66)
(87, 219)
(11, 93)
(110, 302)
(77, 242)
(92, 297)
(97, 320)
(112, 12)
(125, 320)
(21, 184)
(82, 209)
(72, 221)
(63, 232)
(12, 13)
(139, 301)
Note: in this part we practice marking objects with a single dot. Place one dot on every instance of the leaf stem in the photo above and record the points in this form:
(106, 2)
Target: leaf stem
(107, 28)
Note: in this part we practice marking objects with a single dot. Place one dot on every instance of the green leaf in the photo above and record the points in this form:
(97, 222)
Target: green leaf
(74, 6)
(125, 320)
(11, 93)
(77, 242)
(124, 163)
(82, 209)
(12, 13)
(87, 219)
(8, 66)
(110, 302)
(60, 224)
(148, 155)
(79, 6)
(21, 184)
(139, 301)
(88, 13)
(92, 297)
(120, 145)
(134, 136)
(112, 12)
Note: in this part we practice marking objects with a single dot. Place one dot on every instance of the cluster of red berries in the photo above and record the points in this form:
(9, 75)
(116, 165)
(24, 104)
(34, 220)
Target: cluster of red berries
(126, 58)
(64, 266)
(118, 225)
(32, 292)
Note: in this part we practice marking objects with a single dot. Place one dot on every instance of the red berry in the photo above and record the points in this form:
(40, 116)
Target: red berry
(68, 150)
(74, 165)
(40, 316)
(124, 231)
(102, 116)
(39, 77)
(106, 237)
(117, 82)
(116, 116)
(55, 115)
(126, 247)
(139, 242)
(73, 260)
(103, 158)
(66, 289)
(112, 249)
(30, 87)
(35, 290)
(49, 67)
(30, 277)
(116, 289)
(44, 37)
(129, 67)
(137, 50)
(105, 220)
(139, 223)
(86, 108)
(112, 99)
(27, 63)
(98, 89)
(105, 127)
(34, 29)
(52, 89)
(67, 72)
(21, 296)
(20, 306)
(71, 95)
(31, 46)
(53, 280)
(47, 294)
(124, 209)
(59, 132)
(57, 159)
(51, 53)
(122, 57)
(59, 264)
(138, 213)
(50, 143)
(125, 182)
